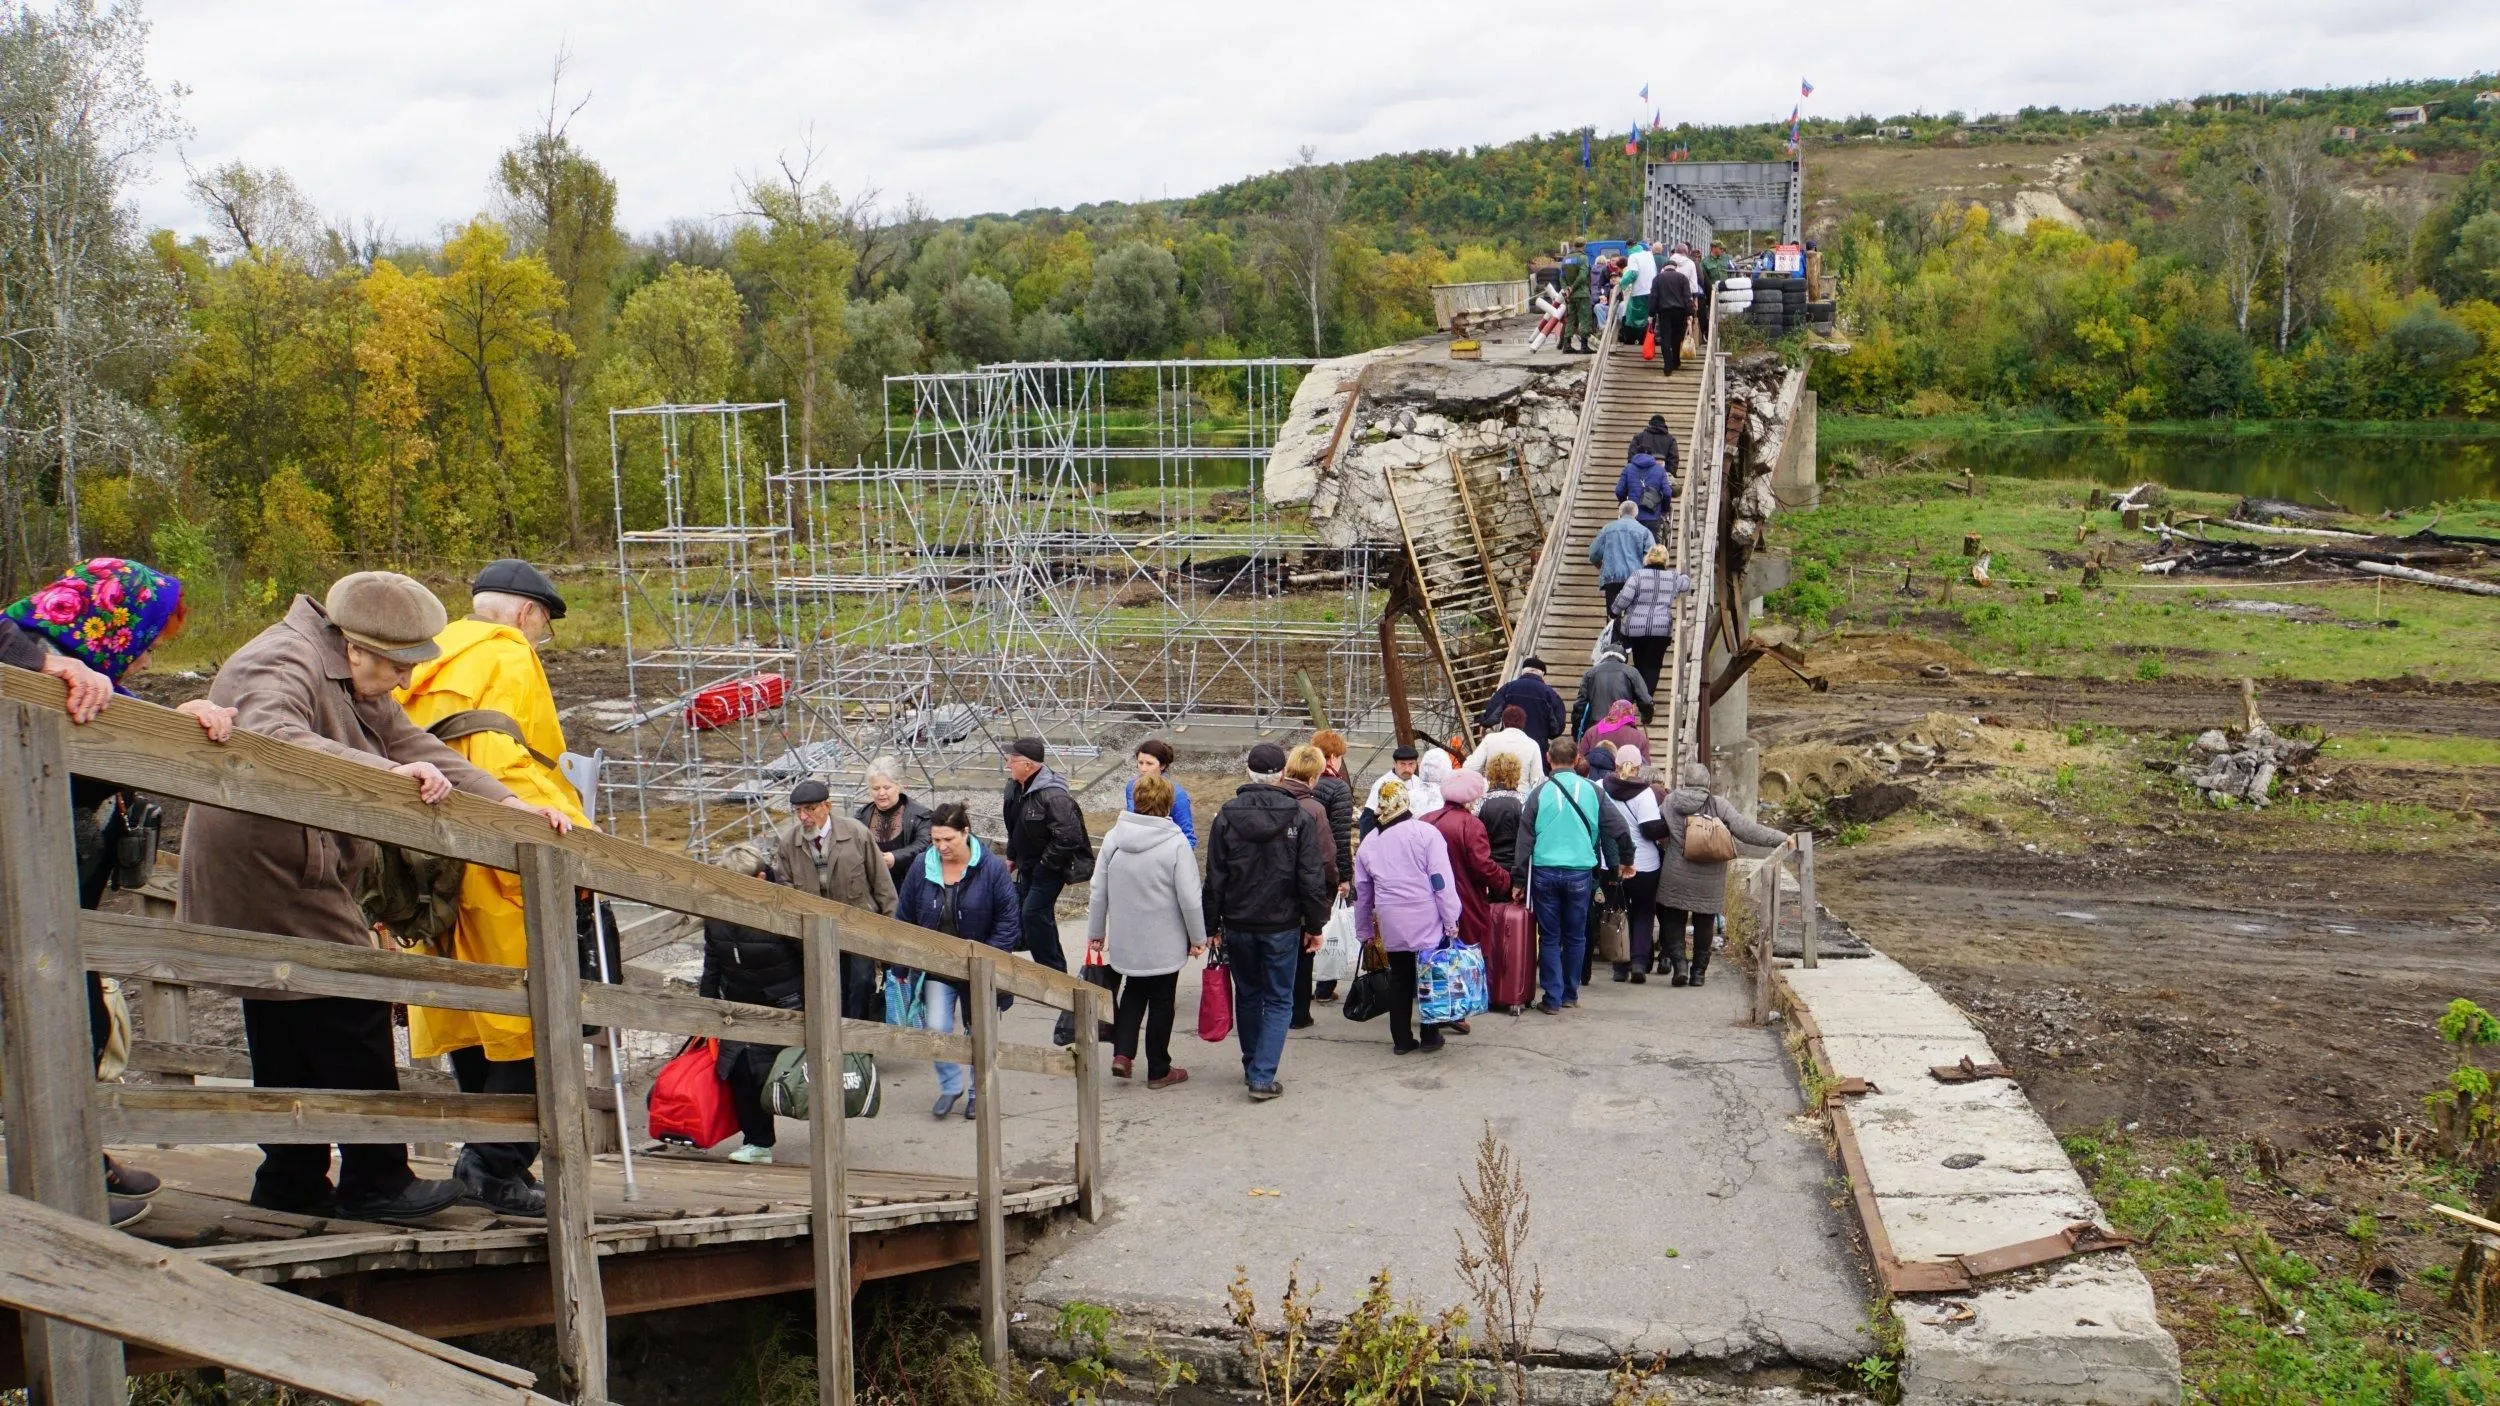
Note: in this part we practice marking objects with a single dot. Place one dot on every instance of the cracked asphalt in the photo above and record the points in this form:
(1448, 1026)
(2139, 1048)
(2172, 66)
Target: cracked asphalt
(1680, 1201)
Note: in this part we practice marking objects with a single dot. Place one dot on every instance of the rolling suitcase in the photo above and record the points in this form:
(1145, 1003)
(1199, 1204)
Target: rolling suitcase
(1510, 957)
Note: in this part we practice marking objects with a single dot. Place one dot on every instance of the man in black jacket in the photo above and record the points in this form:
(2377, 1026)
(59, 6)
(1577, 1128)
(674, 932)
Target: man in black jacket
(1656, 441)
(1047, 848)
(1266, 899)
(1610, 680)
(1534, 697)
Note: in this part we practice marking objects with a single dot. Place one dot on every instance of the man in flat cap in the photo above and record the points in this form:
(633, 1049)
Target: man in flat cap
(833, 856)
(1047, 850)
(485, 693)
(322, 678)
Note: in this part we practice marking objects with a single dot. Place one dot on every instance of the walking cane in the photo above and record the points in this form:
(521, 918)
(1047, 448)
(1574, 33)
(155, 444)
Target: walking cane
(583, 772)
(601, 919)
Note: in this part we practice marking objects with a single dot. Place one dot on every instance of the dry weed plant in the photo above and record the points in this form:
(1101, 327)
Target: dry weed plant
(1508, 1295)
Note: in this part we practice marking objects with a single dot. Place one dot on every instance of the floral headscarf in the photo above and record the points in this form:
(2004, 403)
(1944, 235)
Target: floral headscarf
(1623, 711)
(105, 613)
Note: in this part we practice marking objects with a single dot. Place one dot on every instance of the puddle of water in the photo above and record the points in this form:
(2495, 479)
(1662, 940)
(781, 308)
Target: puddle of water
(2080, 917)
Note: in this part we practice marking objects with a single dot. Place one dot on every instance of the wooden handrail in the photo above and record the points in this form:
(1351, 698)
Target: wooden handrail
(1550, 557)
(137, 744)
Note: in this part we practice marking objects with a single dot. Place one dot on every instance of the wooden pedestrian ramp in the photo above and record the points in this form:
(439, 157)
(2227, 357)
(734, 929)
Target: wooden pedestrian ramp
(1494, 572)
(1560, 614)
(701, 1231)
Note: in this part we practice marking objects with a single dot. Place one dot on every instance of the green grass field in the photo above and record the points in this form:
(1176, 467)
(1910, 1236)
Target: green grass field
(1852, 555)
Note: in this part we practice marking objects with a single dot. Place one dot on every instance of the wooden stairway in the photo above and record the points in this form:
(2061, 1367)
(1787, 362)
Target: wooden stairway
(1628, 392)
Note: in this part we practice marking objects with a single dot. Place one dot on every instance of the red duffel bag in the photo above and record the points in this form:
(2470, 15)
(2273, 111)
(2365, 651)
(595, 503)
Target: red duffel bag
(1215, 998)
(688, 1101)
(720, 704)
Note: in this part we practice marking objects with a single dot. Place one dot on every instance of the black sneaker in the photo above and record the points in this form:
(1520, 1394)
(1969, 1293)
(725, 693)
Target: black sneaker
(1261, 1093)
(1064, 1033)
(123, 1212)
(1696, 980)
(130, 1181)
(415, 1201)
(505, 1196)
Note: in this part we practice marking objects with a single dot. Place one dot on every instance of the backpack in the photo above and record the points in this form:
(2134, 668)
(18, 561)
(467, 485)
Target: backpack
(415, 895)
(1652, 500)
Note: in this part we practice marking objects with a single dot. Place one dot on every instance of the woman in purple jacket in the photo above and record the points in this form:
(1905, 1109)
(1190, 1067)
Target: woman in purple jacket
(1406, 896)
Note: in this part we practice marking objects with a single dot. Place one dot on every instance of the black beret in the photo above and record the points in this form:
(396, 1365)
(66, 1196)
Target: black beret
(513, 577)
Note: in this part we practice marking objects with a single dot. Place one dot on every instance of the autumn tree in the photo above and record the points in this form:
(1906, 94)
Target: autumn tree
(792, 247)
(497, 317)
(562, 206)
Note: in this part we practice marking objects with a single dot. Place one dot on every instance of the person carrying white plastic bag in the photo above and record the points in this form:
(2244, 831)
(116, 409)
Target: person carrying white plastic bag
(1340, 956)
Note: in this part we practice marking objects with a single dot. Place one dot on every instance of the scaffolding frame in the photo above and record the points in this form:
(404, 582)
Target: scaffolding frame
(1080, 551)
(698, 607)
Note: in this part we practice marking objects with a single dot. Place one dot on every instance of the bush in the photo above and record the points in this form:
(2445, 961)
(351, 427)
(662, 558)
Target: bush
(2210, 374)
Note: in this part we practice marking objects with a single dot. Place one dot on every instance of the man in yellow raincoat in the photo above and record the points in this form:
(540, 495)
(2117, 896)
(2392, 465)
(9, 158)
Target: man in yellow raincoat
(487, 696)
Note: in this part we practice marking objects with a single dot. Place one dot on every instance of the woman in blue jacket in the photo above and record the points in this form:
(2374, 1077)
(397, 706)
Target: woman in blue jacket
(959, 888)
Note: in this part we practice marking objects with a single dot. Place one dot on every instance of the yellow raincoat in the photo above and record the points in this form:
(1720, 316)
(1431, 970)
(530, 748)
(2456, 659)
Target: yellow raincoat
(490, 666)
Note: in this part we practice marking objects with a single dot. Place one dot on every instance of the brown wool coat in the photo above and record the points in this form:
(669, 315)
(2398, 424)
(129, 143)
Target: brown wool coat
(853, 870)
(261, 875)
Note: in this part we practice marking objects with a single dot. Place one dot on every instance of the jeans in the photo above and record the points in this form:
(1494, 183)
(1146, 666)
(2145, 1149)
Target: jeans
(1263, 966)
(944, 1006)
(1562, 928)
(1038, 897)
(476, 1074)
(1146, 1000)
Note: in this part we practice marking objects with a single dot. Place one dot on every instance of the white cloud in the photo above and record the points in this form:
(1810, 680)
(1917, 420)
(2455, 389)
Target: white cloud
(398, 111)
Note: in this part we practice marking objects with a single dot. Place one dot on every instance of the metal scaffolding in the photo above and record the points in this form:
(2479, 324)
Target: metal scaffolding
(698, 556)
(1076, 550)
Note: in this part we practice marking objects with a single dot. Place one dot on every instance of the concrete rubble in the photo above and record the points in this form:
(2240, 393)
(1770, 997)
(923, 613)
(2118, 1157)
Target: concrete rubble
(1418, 407)
(2227, 769)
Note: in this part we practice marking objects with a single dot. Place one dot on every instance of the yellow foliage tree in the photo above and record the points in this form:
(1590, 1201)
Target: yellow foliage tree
(494, 317)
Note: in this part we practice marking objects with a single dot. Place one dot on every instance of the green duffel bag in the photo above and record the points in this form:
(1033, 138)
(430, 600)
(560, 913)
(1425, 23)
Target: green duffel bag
(786, 1093)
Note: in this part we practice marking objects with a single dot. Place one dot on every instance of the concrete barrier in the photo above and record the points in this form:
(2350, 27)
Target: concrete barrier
(1956, 1169)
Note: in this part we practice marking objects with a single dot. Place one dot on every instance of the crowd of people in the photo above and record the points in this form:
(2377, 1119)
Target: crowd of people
(1666, 290)
(1551, 814)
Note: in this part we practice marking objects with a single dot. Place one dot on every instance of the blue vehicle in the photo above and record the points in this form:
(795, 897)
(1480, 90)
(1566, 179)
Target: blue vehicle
(1596, 249)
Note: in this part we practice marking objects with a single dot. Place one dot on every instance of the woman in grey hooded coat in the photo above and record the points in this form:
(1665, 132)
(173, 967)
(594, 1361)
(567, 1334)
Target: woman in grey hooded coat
(1145, 911)
(1692, 890)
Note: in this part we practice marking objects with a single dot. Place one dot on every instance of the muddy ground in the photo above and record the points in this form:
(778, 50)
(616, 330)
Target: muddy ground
(2166, 970)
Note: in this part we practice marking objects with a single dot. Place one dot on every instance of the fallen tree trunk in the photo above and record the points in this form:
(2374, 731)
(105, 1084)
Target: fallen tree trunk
(2430, 578)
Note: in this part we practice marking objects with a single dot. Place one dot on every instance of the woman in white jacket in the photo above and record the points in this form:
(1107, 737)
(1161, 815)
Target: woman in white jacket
(1145, 913)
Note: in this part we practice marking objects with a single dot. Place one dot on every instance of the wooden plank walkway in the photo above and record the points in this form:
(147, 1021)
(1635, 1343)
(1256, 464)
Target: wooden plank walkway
(1630, 391)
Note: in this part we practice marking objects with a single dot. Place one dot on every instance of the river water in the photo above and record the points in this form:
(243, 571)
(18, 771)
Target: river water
(2366, 473)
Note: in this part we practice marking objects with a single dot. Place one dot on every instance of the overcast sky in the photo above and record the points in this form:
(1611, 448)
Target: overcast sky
(396, 111)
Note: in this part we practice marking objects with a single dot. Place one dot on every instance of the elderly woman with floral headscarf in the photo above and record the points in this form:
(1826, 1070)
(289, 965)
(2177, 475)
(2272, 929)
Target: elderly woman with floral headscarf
(1620, 728)
(96, 625)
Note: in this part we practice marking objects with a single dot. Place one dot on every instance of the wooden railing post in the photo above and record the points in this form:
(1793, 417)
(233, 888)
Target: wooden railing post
(1766, 943)
(555, 994)
(47, 1060)
(1089, 1004)
(983, 1014)
(829, 1204)
(1805, 894)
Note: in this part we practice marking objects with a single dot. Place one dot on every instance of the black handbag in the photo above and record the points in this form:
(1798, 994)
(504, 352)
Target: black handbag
(1367, 997)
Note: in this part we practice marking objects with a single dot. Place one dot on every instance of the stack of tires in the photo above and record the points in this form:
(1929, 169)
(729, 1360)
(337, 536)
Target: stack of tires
(1779, 303)
(1734, 296)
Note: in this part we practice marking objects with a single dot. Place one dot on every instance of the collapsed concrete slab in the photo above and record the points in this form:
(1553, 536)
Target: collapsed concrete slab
(1418, 407)
(1962, 1168)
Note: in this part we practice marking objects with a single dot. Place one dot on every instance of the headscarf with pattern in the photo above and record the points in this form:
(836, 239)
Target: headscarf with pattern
(104, 612)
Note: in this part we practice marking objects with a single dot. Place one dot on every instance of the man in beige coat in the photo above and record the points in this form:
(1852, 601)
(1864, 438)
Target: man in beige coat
(322, 678)
(833, 856)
